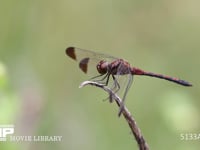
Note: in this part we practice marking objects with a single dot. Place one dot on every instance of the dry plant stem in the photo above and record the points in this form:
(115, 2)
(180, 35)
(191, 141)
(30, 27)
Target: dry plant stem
(127, 115)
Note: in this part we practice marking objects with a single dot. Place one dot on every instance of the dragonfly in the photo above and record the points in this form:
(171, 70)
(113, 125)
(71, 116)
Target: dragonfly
(107, 67)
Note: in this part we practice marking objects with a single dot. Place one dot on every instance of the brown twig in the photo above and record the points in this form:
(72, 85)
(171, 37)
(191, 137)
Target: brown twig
(127, 115)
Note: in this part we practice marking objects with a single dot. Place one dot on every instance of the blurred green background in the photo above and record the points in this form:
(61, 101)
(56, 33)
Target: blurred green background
(39, 91)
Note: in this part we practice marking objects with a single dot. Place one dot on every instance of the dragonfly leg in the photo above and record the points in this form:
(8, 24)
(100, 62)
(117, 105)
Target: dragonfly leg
(116, 84)
(96, 77)
(102, 80)
(115, 88)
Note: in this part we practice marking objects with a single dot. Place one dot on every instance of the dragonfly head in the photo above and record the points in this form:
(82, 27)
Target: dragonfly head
(102, 67)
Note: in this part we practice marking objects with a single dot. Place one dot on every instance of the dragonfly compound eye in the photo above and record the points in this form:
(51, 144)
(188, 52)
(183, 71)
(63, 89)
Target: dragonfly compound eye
(102, 67)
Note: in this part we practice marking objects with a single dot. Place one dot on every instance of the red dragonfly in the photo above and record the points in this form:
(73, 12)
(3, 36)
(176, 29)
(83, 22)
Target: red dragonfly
(107, 66)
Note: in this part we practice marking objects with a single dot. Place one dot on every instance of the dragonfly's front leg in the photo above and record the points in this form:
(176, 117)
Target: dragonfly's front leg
(102, 80)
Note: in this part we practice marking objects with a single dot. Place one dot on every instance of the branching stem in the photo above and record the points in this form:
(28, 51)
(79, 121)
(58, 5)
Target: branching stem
(127, 115)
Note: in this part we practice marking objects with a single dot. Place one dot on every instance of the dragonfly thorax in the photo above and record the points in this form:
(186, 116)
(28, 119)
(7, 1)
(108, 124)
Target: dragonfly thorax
(116, 67)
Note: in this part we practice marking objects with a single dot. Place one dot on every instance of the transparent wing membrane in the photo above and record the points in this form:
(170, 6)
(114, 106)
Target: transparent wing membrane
(88, 60)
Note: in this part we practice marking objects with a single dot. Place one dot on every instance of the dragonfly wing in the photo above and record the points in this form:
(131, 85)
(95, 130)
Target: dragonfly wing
(125, 82)
(87, 59)
(121, 81)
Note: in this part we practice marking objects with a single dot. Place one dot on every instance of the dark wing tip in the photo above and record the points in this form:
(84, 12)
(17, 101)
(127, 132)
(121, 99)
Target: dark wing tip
(84, 64)
(70, 51)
